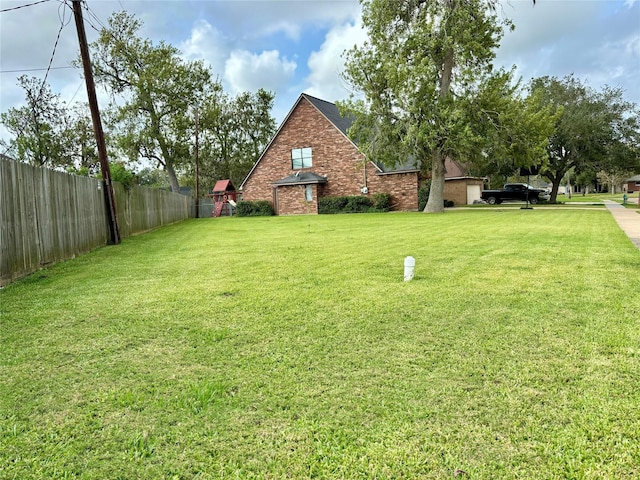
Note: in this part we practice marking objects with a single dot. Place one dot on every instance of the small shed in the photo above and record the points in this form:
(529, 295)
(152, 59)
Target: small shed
(224, 198)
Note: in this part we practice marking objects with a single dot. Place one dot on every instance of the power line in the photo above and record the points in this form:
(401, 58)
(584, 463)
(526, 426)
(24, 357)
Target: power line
(63, 23)
(23, 6)
(93, 15)
(25, 70)
(55, 46)
(74, 95)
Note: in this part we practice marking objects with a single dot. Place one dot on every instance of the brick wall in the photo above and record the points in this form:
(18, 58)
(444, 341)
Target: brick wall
(291, 200)
(403, 188)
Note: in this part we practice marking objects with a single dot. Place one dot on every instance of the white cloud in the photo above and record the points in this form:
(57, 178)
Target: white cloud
(291, 30)
(206, 43)
(327, 64)
(247, 71)
(632, 46)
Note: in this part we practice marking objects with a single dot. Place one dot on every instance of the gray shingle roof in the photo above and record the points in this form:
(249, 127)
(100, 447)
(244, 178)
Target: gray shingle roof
(301, 178)
(332, 113)
(408, 166)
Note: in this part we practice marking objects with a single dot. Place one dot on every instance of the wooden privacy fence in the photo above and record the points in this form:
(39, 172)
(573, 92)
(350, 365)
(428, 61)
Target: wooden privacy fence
(48, 216)
(140, 209)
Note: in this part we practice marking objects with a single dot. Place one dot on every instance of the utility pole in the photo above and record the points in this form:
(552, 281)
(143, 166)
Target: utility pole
(114, 232)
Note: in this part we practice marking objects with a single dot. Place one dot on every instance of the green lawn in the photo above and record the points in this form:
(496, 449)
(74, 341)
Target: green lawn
(290, 347)
(632, 198)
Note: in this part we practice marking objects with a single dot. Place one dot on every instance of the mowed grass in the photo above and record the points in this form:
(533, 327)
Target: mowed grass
(596, 198)
(290, 347)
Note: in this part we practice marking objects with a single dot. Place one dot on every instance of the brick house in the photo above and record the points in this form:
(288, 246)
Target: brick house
(311, 157)
(632, 184)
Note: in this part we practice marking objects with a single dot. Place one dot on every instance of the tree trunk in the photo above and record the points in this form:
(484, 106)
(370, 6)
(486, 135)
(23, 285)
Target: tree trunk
(173, 179)
(435, 203)
(555, 186)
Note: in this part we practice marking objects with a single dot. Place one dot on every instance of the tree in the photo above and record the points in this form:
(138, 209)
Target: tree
(593, 131)
(119, 173)
(153, 178)
(79, 135)
(613, 179)
(431, 92)
(158, 88)
(233, 133)
(38, 127)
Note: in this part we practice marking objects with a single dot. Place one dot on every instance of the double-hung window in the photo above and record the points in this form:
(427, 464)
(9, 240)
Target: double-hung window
(301, 158)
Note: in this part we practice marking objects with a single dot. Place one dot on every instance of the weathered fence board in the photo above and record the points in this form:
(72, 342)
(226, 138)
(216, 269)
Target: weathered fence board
(48, 216)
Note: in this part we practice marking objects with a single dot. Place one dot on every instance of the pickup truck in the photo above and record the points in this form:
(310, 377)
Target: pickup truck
(514, 191)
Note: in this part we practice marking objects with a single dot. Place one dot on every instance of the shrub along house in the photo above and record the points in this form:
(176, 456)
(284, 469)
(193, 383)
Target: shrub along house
(311, 157)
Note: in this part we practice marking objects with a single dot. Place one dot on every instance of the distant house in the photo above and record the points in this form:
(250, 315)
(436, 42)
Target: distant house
(311, 157)
(632, 184)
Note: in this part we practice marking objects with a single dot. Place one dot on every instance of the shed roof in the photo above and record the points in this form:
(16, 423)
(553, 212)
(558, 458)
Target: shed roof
(224, 186)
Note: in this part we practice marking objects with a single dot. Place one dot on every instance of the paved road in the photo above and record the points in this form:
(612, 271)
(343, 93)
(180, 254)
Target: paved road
(628, 219)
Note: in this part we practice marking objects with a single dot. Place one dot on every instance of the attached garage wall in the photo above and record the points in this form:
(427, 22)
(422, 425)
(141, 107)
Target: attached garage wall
(403, 188)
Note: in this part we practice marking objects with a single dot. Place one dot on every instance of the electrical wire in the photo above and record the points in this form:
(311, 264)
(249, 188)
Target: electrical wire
(63, 23)
(92, 14)
(25, 70)
(77, 90)
(23, 6)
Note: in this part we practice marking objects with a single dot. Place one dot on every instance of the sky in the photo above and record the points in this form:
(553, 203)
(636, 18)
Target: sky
(291, 47)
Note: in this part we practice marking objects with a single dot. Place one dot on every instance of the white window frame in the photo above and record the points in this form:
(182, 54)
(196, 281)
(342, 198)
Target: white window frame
(301, 158)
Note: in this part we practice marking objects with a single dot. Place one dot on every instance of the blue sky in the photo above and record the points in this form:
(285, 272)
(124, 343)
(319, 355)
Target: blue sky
(290, 47)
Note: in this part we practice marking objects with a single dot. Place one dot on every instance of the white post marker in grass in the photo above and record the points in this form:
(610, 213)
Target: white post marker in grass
(409, 266)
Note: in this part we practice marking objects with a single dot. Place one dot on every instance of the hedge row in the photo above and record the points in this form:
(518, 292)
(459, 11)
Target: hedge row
(259, 208)
(378, 202)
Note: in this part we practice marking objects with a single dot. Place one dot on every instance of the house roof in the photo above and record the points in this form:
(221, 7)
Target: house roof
(407, 167)
(331, 112)
(454, 170)
(635, 178)
(301, 178)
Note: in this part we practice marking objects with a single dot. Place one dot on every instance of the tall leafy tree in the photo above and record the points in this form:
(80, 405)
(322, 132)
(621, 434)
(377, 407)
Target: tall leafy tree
(80, 137)
(38, 128)
(159, 90)
(593, 132)
(233, 133)
(431, 92)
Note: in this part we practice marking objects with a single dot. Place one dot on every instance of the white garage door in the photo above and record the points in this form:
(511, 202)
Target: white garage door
(473, 193)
